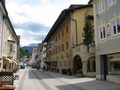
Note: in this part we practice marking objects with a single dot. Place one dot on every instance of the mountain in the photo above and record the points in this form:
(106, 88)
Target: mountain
(30, 47)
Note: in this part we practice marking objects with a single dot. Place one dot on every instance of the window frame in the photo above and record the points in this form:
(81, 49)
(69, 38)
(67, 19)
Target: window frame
(62, 47)
(103, 33)
(102, 6)
(115, 30)
(62, 32)
(66, 29)
(11, 47)
(66, 45)
(111, 2)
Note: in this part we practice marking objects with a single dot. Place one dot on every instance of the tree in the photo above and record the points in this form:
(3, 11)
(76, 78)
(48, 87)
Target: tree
(88, 32)
(24, 52)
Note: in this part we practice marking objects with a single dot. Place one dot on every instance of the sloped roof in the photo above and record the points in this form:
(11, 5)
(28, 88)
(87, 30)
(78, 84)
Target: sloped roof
(62, 17)
(90, 1)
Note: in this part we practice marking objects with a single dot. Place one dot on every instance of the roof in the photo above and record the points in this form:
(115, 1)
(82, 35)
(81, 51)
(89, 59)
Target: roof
(8, 19)
(3, 4)
(63, 15)
(90, 1)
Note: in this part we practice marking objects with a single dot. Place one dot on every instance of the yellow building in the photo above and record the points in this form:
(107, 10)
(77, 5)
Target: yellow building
(65, 50)
(82, 59)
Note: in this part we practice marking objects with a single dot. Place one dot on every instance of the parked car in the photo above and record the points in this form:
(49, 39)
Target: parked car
(22, 66)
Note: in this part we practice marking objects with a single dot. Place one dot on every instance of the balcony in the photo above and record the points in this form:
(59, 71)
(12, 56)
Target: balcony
(89, 14)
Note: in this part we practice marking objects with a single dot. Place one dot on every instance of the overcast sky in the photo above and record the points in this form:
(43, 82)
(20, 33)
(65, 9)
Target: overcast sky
(32, 19)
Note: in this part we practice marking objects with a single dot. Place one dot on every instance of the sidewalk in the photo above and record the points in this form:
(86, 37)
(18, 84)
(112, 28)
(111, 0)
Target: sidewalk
(20, 73)
(83, 82)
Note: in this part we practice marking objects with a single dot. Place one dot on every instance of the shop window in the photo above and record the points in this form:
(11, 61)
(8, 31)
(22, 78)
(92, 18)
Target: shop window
(114, 67)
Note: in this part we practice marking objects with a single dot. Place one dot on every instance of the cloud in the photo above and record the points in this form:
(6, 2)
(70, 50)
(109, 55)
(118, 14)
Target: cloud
(32, 19)
(31, 26)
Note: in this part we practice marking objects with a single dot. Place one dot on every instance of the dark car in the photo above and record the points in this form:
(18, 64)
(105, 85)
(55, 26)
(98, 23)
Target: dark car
(22, 66)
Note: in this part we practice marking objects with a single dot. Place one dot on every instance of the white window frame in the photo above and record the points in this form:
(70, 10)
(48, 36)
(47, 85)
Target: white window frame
(115, 23)
(103, 33)
(111, 2)
(102, 6)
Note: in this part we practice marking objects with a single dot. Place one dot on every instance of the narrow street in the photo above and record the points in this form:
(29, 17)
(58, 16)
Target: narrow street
(32, 79)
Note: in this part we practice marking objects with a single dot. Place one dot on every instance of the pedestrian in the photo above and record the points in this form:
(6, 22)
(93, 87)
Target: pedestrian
(44, 68)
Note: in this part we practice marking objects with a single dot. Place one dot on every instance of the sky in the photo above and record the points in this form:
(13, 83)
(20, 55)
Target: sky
(33, 19)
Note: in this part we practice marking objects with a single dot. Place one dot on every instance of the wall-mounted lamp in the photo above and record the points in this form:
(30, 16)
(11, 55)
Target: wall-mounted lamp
(97, 16)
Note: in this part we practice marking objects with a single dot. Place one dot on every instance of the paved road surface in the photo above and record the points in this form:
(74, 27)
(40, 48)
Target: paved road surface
(32, 79)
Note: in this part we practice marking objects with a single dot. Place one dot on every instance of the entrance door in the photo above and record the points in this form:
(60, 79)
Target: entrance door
(77, 64)
(105, 66)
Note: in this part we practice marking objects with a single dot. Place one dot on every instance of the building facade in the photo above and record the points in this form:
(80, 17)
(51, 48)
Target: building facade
(82, 59)
(107, 38)
(65, 50)
(34, 57)
(9, 48)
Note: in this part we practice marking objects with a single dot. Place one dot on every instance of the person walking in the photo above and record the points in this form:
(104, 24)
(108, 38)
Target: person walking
(43, 68)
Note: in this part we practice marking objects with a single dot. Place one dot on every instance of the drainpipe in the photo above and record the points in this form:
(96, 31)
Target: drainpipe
(76, 28)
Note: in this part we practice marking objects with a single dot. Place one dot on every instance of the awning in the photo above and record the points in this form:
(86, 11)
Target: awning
(15, 62)
(114, 60)
(10, 61)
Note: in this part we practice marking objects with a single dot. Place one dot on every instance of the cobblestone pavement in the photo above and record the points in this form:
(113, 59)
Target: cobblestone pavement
(31, 79)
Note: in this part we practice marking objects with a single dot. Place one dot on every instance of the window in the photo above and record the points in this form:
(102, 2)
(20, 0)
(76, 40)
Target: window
(114, 67)
(62, 47)
(56, 38)
(67, 29)
(59, 36)
(116, 27)
(102, 6)
(62, 33)
(59, 48)
(102, 33)
(11, 46)
(56, 49)
(67, 45)
(111, 2)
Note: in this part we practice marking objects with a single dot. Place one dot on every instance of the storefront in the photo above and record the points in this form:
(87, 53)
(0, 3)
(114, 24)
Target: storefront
(113, 68)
